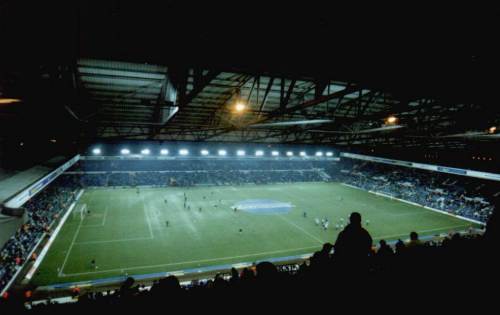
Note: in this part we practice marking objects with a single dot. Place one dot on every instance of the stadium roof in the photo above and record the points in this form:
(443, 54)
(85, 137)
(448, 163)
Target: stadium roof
(122, 71)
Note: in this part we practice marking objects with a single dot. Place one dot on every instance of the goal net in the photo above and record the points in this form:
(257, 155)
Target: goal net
(80, 212)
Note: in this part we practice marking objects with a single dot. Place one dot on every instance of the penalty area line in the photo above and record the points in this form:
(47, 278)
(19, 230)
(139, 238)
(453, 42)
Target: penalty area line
(301, 229)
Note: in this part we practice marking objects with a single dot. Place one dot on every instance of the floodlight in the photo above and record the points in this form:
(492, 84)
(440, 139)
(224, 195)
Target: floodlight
(259, 153)
(302, 153)
(96, 151)
(222, 152)
(183, 152)
(9, 100)
(329, 153)
(125, 151)
(239, 107)
(289, 153)
(319, 153)
(275, 153)
(163, 151)
(204, 152)
(391, 120)
(240, 153)
(145, 151)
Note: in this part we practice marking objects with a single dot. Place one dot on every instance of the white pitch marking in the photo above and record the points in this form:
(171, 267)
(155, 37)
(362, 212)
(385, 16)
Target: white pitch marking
(105, 215)
(147, 217)
(424, 231)
(117, 240)
(61, 269)
(298, 227)
(189, 262)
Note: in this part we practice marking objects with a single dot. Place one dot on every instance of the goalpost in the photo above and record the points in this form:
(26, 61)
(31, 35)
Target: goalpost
(80, 212)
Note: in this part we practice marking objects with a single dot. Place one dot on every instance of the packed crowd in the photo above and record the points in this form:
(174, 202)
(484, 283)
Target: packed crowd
(464, 196)
(351, 267)
(200, 172)
(40, 212)
(187, 164)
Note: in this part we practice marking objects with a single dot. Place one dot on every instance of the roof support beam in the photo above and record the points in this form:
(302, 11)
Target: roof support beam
(266, 94)
(278, 112)
(284, 99)
(251, 90)
(203, 82)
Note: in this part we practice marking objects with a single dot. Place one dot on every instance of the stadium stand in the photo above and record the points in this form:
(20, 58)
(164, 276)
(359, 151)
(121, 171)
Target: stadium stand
(459, 195)
(201, 172)
(41, 210)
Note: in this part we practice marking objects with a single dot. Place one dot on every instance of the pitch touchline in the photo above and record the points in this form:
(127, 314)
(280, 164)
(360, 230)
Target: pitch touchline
(186, 262)
(72, 241)
(423, 231)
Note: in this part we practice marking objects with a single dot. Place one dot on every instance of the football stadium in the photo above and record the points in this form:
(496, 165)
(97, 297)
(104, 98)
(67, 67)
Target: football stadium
(137, 169)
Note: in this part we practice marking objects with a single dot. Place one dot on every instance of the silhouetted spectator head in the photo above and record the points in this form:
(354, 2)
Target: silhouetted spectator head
(247, 274)
(327, 248)
(413, 236)
(400, 246)
(170, 283)
(266, 270)
(355, 218)
(382, 243)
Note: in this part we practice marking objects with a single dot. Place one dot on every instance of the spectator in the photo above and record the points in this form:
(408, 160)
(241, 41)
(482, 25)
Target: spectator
(354, 243)
(414, 241)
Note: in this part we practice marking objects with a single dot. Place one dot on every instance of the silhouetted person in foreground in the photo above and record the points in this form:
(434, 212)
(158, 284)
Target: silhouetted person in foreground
(384, 249)
(414, 241)
(354, 243)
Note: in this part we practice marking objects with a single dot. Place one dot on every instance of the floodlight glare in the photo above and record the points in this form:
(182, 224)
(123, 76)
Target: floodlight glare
(125, 151)
(145, 151)
(391, 120)
(96, 151)
(240, 153)
(204, 152)
(183, 152)
(239, 107)
(9, 100)
(163, 151)
(259, 153)
(289, 153)
(329, 153)
(222, 152)
(319, 153)
(275, 153)
(302, 153)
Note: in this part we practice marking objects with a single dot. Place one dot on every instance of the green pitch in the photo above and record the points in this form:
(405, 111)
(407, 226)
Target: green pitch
(126, 232)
